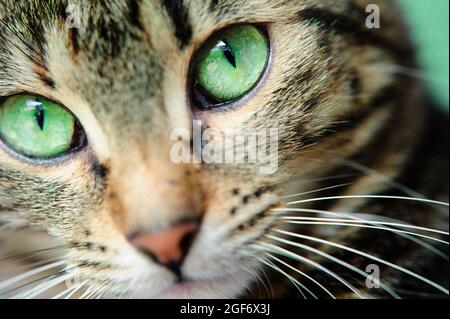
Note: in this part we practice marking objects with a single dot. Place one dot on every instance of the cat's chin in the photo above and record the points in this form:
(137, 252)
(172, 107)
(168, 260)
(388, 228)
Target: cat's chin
(225, 287)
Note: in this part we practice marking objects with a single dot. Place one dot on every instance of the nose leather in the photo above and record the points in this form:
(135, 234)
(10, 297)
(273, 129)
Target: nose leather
(168, 246)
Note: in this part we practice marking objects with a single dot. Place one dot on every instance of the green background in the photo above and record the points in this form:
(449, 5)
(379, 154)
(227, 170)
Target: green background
(430, 29)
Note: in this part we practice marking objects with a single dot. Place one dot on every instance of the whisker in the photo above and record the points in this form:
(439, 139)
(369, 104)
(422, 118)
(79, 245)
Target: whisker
(336, 260)
(358, 252)
(359, 216)
(249, 290)
(294, 281)
(424, 200)
(76, 290)
(259, 280)
(93, 292)
(385, 179)
(317, 190)
(41, 288)
(272, 293)
(30, 273)
(368, 171)
(303, 274)
(39, 280)
(367, 226)
(87, 292)
(323, 179)
(100, 293)
(32, 253)
(289, 254)
(372, 222)
(66, 291)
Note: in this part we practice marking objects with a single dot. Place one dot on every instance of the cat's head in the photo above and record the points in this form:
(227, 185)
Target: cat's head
(92, 93)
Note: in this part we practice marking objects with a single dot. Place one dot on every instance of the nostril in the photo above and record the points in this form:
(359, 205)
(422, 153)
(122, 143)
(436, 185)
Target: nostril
(168, 247)
(175, 267)
(186, 241)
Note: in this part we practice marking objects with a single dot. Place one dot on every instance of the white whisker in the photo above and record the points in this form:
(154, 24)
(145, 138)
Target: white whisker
(65, 291)
(259, 279)
(316, 190)
(303, 274)
(32, 253)
(268, 281)
(101, 292)
(322, 179)
(30, 273)
(94, 291)
(87, 292)
(336, 260)
(294, 281)
(358, 217)
(367, 226)
(43, 287)
(76, 290)
(384, 178)
(372, 222)
(289, 254)
(382, 261)
(424, 200)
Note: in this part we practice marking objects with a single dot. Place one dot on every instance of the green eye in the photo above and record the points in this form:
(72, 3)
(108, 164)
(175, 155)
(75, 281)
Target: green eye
(37, 127)
(230, 64)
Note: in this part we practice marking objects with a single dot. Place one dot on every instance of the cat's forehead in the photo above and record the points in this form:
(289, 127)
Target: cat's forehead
(103, 28)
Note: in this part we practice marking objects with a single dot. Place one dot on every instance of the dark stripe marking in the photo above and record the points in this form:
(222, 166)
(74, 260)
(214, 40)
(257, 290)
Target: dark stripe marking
(48, 81)
(73, 41)
(180, 18)
(134, 14)
(345, 25)
(355, 84)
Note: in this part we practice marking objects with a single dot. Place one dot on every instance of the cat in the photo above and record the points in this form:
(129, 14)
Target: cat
(90, 92)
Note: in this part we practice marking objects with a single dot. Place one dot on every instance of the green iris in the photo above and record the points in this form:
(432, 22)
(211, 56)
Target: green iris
(231, 62)
(36, 127)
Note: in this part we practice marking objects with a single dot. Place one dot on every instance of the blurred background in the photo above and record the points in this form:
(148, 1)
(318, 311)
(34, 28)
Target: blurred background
(429, 21)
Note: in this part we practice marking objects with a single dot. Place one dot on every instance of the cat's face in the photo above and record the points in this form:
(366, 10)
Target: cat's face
(126, 73)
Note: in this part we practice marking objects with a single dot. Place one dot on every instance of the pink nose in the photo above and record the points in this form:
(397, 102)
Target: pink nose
(168, 247)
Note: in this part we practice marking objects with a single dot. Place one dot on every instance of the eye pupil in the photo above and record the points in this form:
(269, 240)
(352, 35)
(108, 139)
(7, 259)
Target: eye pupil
(40, 116)
(228, 52)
